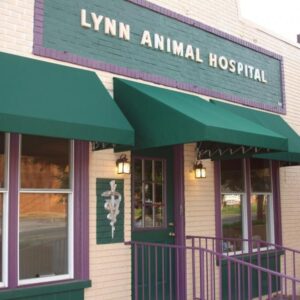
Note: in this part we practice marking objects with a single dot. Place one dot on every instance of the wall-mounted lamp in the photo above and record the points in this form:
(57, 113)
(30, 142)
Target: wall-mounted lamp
(200, 171)
(123, 165)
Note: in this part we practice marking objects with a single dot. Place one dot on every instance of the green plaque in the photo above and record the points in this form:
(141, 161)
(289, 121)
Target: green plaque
(110, 211)
(154, 44)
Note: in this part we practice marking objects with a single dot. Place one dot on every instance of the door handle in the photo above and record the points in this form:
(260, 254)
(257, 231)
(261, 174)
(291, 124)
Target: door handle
(172, 234)
(171, 224)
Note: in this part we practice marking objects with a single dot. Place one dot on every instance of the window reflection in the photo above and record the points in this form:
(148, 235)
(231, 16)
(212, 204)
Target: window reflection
(148, 197)
(232, 176)
(43, 237)
(232, 222)
(260, 211)
(45, 163)
(260, 175)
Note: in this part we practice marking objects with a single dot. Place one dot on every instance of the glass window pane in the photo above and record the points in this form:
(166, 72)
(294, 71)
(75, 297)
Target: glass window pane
(2, 159)
(158, 173)
(158, 212)
(148, 215)
(232, 222)
(261, 221)
(1, 234)
(148, 192)
(148, 200)
(158, 193)
(45, 163)
(137, 170)
(138, 206)
(232, 176)
(148, 170)
(43, 236)
(260, 175)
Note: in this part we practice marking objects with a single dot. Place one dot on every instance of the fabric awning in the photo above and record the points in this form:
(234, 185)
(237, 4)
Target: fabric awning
(271, 122)
(47, 99)
(163, 117)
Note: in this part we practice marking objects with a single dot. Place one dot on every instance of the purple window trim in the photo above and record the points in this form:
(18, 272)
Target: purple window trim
(276, 200)
(81, 211)
(218, 217)
(40, 50)
(13, 208)
(248, 200)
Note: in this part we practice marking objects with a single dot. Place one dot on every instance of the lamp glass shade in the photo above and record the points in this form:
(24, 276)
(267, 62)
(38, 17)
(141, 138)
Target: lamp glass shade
(200, 172)
(126, 167)
(123, 167)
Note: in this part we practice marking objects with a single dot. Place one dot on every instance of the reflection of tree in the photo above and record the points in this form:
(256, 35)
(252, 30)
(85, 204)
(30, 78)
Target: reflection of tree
(260, 180)
(260, 207)
(232, 181)
(41, 172)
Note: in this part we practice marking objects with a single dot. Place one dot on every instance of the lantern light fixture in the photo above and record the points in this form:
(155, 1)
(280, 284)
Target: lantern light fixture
(200, 171)
(123, 165)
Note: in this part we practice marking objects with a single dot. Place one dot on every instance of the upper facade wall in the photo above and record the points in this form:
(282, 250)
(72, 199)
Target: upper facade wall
(16, 36)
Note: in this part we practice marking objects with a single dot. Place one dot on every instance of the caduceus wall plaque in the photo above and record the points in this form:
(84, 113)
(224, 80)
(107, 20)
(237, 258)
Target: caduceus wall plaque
(110, 211)
(112, 203)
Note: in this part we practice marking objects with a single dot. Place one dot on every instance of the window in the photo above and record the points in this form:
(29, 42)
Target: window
(246, 203)
(262, 221)
(233, 207)
(3, 208)
(45, 209)
(149, 193)
(38, 177)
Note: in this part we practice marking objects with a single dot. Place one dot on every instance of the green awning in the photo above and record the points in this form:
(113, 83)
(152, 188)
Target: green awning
(47, 99)
(271, 122)
(163, 117)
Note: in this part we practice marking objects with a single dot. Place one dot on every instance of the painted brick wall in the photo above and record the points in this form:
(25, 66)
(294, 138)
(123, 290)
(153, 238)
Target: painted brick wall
(110, 263)
(199, 205)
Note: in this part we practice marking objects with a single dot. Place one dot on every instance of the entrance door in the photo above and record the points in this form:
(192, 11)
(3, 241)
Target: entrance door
(153, 222)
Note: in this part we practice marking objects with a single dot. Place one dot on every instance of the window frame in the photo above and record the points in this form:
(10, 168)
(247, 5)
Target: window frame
(270, 212)
(164, 192)
(273, 196)
(4, 191)
(70, 214)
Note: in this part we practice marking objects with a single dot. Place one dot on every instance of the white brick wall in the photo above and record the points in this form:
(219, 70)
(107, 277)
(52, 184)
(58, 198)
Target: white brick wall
(16, 36)
(110, 265)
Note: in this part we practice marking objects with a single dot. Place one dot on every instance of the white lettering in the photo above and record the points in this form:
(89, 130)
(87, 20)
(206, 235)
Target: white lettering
(124, 31)
(240, 68)
(110, 27)
(246, 71)
(146, 39)
(263, 78)
(232, 66)
(177, 48)
(251, 69)
(213, 60)
(84, 22)
(223, 62)
(159, 42)
(198, 56)
(169, 45)
(257, 75)
(189, 52)
(97, 21)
